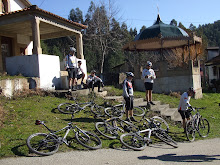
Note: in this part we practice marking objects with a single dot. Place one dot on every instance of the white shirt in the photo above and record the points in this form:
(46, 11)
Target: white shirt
(151, 75)
(70, 61)
(184, 102)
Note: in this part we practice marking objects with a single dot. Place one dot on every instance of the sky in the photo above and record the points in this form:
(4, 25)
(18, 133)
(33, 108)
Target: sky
(138, 13)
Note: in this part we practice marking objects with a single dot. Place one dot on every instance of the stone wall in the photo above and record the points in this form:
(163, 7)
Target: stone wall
(9, 87)
(177, 80)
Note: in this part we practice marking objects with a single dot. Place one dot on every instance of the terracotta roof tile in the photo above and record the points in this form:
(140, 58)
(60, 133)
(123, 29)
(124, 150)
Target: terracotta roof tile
(35, 8)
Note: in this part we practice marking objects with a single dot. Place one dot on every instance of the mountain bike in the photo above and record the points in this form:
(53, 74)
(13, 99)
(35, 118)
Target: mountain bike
(140, 139)
(48, 143)
(71, 108)
(111, 127)
(119, 109)
(197, 123)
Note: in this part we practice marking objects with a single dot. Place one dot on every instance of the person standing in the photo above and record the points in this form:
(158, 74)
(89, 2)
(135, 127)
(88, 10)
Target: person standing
(70, 66)
(184, 105)
(128, 95)
(148, 75)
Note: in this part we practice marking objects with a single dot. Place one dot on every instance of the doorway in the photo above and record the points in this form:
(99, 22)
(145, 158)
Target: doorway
(6, 48)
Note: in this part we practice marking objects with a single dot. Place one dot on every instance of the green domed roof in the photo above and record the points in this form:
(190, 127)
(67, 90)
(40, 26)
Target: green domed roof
(161, 30)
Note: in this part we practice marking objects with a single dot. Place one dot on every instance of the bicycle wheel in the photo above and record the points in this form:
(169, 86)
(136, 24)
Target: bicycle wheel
(88, 140)
(42, 144)
(68, 108)
(114, 112)
(161, 123)
(106, 130)
(203, 127)
(162, 135)
(98, 110)
(133, 141)
(190, 130)
(138, 111)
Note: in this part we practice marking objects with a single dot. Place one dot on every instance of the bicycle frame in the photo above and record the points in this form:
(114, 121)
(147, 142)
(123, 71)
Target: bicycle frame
(67, 128)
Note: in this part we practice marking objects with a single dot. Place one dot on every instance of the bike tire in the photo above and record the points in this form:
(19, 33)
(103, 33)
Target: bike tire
(138, 111)
(42, 144)
(204, 127)
(114, 112)
(133, 141)
(68, 108)
(89, 140)
(163, 136)
(105, 130)
(98, 110)
(161, 123)
(190, 131)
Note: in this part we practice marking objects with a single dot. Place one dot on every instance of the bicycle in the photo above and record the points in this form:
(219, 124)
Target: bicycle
(71, 108)
(197, 123)
(48, 143)
(111, 127)
(140, 139)
(119, 109)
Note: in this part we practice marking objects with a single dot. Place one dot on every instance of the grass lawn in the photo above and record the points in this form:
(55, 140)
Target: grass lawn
(18, 115)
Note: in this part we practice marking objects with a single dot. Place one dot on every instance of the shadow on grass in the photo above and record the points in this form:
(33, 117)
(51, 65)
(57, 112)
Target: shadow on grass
(17, 150)
(83, 119)
(183, 158)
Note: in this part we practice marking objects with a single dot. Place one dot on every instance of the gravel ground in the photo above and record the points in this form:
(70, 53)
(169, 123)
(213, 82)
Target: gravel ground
(199, 152)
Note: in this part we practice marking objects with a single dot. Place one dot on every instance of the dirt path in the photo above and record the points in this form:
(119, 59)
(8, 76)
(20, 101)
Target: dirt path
(199, 152)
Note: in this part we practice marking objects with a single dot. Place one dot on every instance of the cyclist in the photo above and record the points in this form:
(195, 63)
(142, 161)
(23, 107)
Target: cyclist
(128, 95)
(92, 78)
(70, 66)
(148, 75)
(184, 105)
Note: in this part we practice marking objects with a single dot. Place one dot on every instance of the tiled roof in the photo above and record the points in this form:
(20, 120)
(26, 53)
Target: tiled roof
(35, 8)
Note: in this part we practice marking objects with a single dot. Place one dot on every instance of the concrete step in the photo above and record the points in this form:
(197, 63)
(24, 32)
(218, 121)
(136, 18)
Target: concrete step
(177, 117)
(138, 100)
(114, 98)
(169, 113)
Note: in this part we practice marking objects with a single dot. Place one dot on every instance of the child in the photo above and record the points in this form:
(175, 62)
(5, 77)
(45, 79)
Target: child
(128, 96)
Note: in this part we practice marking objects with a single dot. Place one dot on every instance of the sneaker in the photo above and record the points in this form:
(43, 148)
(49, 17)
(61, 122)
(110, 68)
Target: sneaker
(74, 89)
(69, 90)
(133, 119)
(127, 119)
(148, 104)
(100, 90)
(151, 103)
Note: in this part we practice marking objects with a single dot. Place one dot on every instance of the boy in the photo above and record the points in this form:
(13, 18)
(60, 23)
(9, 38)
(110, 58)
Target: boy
(184, 105)
(128, 95)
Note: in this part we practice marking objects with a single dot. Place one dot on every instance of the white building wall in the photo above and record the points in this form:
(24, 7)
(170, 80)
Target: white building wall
(46, 67)
(16, 5)
(49, 71)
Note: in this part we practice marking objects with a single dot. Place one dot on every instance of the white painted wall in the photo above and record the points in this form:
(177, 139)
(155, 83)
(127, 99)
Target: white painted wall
(16, 5)
(49, 71)
(46, 67)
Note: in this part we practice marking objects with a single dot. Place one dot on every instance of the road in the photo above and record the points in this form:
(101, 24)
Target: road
(199, 152)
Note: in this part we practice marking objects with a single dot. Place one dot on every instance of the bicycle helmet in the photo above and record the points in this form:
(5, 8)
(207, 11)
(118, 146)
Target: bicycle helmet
(191, 89)
(93, 71)
(149, 63)
(130, 74)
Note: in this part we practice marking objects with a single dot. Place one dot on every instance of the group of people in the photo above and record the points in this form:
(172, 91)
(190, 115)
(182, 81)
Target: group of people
(148, 75)
(75, 72)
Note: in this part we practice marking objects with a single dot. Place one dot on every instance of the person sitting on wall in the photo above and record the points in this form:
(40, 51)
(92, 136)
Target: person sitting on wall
(70, 66)
(79, 72)
(94, 81)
